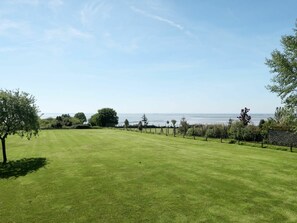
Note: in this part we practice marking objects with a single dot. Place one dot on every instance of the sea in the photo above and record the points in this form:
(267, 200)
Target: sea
(160, 119)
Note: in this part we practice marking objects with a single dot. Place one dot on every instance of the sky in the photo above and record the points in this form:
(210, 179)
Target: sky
(143, 56)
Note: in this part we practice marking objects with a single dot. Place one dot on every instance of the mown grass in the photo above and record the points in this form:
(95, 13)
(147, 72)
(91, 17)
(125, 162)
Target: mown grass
(121, 176)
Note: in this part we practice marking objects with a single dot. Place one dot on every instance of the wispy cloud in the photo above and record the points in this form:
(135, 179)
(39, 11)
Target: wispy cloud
(7, 26)
(95, 8)
(158, 18)
(66, 34)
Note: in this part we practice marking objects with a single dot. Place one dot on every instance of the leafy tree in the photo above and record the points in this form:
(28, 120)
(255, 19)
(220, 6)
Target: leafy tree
(284, 66)
(106, 117)
(183, 126)
(236, 131)
(209, 133)
(140, 126)
(173, 123)
(18, 115)
(244, 117)
(285, 117)
(47, 123)
(93, 120)
(126, 123)
(81, 116)
(66, 120)
(144, 120)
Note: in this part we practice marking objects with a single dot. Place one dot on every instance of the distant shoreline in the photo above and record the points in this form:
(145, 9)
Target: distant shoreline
(192, 118)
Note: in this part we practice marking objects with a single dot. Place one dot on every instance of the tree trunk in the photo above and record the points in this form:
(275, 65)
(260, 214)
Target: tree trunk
(221, 140)
(291, 146)
(262, 144)
(4, 150)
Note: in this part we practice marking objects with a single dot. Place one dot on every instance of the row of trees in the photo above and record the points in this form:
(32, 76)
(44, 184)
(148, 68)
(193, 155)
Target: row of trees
(237, 130)
(105, 117)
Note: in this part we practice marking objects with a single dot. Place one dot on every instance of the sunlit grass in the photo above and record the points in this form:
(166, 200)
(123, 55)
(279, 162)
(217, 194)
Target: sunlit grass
(124, 176)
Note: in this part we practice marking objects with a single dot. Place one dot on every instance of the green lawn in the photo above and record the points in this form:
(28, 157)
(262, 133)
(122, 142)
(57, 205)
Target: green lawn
(120, 176)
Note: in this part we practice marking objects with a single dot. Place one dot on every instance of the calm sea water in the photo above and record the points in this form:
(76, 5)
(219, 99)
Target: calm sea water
(161, 118)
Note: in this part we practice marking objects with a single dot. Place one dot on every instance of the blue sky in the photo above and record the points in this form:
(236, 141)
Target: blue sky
(154, 56)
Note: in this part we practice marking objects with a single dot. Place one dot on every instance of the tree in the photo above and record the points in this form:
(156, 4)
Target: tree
(126, 123)
(284, 66)
(285, 117)
(183, 126)
(236, 131)
(140, 126)
(81, 116)
(167, 129)
(18, 115)
(105, 117)
(244, 117)
(173, 123)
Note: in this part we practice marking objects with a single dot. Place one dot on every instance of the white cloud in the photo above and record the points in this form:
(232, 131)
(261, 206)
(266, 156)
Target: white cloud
(95, 8)
(65, 34)
(158, 18)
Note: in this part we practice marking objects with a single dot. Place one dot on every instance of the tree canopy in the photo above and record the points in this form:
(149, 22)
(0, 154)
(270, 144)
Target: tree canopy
(105, 117)
(81, 116)
(18, 115)
(284, 65)
(244, 117)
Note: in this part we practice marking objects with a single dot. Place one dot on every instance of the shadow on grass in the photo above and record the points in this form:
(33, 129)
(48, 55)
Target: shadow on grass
(21, 167)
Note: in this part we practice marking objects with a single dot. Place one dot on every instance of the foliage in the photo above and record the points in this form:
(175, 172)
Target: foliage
(209, 133)
(81, 116)
(251, 133)
(105, 117)
(140, 126)
(18, 115)
(47, 123)
(126, 123)
(81, 126)
(244, 117)
(144, 120)
(183, 126)
(93, 119)
(236, 131)
(284, 67)
(174, 128)
(285, 117)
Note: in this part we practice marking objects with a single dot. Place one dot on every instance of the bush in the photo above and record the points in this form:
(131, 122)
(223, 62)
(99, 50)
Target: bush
(82, 126)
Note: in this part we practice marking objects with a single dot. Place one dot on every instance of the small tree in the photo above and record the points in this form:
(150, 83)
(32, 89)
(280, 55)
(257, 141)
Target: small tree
(145, 121)
(140, 126)
(126, 123)
(244, 117)
(183, 126)
(236, 131)
(209, 133)
(173, 123)
(18, 115)
(194, 132)
(81, 116)
(167, 130)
